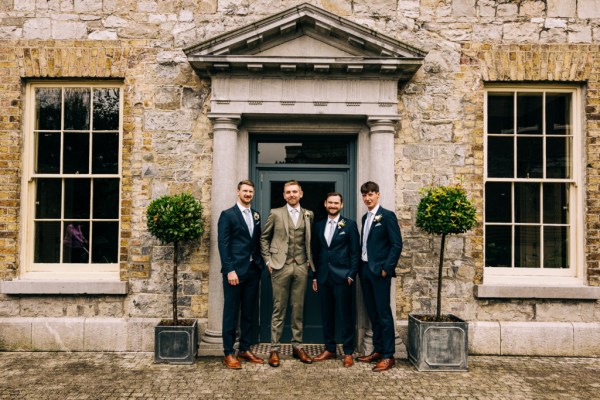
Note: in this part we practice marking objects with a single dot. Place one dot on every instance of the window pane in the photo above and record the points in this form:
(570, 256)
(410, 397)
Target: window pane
(47, 108)
(556, 203)
(558, 157)
(556, 245)
(47, 149)
(527, 202)
(77, 109)
(558, 114)
(106, 109)
(105, 153)
(501, 113)
(75, 243)
(105, 242)
(527, 246)
(529, 113)
(47, 242)
(77, 198)
(76, 153)
(106, 198)
(47, 198)
(498, 241)
(303, 153)
(529, 157)
(498, 202)
(500, 157)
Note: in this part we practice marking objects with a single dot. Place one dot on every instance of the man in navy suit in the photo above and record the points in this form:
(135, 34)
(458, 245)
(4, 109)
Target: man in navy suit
(336, 254)
(381, 247)
(241, 266)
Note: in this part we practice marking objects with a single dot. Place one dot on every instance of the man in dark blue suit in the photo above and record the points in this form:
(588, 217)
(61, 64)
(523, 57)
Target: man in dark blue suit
(241, 266)
(381, 247)
(336, 254)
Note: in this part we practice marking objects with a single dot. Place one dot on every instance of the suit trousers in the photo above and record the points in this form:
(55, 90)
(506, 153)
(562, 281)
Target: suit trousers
(241, 297)
(288, 282)
(376, 294)
(336, 300)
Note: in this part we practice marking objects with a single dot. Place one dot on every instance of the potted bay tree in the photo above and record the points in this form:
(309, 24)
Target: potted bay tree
(440, 342)
(175, 219)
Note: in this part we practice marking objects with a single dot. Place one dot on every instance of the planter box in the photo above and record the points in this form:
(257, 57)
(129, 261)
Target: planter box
(438, 346)
(176, 344)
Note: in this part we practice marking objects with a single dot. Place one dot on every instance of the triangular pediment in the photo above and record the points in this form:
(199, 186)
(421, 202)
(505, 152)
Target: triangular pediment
(305, 40)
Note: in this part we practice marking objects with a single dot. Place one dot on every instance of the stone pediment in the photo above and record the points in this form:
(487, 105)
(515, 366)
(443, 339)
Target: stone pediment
(305, 40)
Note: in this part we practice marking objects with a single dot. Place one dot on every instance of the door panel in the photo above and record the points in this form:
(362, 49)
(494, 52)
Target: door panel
(315, 186)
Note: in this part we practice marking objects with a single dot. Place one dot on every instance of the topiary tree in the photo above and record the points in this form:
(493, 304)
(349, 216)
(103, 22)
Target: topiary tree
(175, 219)
(445, 210)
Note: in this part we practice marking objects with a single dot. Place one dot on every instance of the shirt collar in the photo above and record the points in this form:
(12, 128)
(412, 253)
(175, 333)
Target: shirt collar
(242, 208)
(290, 208)
(374, 210)
(336, 219)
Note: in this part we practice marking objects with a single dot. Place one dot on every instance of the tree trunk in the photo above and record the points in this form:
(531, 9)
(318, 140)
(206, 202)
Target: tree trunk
(175, 251)
(439, 288)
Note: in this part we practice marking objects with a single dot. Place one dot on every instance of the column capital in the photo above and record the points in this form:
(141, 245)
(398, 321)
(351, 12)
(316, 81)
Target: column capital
(225, 118)
(382, 125)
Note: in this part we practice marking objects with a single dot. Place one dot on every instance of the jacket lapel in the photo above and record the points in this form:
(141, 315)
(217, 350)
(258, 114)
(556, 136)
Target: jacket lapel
(285, 216)
(241, 219)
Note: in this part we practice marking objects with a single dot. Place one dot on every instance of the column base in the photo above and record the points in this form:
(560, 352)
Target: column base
(211, 344)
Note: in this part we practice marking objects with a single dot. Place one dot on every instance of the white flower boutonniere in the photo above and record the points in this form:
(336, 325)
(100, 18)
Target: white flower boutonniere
(341, 224)
(378, 218)
(256, 216)
(307, 214)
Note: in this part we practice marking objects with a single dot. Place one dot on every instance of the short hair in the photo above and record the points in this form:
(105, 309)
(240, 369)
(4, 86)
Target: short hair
(331, 194)
(369, 187)
(290, 183)
(245, 182)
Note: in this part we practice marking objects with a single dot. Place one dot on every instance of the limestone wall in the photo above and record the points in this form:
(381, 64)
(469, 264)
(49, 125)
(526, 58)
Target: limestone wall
(167, 136)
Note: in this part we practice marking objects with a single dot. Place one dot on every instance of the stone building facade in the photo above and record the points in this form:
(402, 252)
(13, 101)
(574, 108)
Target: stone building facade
(501, 95)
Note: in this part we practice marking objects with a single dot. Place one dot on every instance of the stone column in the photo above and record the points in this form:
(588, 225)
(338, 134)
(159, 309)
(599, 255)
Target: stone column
(224, 181)
(382, 170)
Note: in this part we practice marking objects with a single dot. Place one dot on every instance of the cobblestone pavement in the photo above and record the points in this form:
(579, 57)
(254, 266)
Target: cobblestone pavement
(135, 376)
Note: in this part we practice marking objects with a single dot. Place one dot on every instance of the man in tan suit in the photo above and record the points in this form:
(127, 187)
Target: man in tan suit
(285, 247)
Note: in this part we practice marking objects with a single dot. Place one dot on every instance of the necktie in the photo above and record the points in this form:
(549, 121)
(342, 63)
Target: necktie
(331, 231)
(248, 219)
(295, 216)
(366, 235)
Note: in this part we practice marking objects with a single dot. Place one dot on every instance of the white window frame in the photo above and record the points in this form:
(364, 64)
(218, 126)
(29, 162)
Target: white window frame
(575, 274)
(60, 271)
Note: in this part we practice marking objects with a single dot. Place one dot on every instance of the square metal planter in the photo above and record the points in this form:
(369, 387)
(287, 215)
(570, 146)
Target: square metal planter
(176, 344)
(438, 346)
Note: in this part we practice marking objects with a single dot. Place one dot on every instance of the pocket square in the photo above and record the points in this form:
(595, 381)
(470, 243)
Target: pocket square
(378, 224)
(342, 233)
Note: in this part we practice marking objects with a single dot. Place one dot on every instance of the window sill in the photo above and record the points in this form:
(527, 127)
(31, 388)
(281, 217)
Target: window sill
(63, 287)
(496, 291)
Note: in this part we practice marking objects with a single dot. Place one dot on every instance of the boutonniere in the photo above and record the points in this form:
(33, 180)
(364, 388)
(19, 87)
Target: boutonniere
(307, 214)
(378, 218)
(341, 224)
(256, 216)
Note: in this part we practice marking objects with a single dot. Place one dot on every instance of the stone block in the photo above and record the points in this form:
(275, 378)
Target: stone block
(561, 8)
(536, 338)
(57, 334)
(507, 10)
(588, 8)
(37, 28)
(586, 339)
(579, 34)
(9, 306)
(68, 30)
(140, 334)
(105, 334)
(168, 120)
(464, 8)
(484, 338)
(15, 334)
(87, 6)
(374, 7)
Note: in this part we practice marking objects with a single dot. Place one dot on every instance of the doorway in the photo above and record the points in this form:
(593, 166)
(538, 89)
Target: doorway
(321, 165)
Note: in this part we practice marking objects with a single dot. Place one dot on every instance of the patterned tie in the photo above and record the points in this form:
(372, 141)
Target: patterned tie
(331, 231)
(248, 219)
(366, 235)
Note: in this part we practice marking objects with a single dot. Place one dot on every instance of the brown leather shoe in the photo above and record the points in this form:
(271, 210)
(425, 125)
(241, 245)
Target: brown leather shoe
(301, 355)
(373, 357)
(347, 360)
(274, 359)
(384, 364)
(248, 356)
(325, 355)
(232, 362)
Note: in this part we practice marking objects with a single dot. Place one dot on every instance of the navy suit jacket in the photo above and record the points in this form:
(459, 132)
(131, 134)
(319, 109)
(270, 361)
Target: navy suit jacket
(384, 242)
(342, 257)
(235, 243)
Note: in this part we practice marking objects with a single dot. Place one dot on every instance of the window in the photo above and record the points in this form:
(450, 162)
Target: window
(532, 193)
(73, 138)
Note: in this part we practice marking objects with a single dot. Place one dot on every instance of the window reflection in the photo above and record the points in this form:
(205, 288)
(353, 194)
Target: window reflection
(306, 152)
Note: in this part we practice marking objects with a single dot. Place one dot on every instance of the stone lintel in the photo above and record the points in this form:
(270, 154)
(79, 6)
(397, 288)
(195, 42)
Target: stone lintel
(487, 291)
